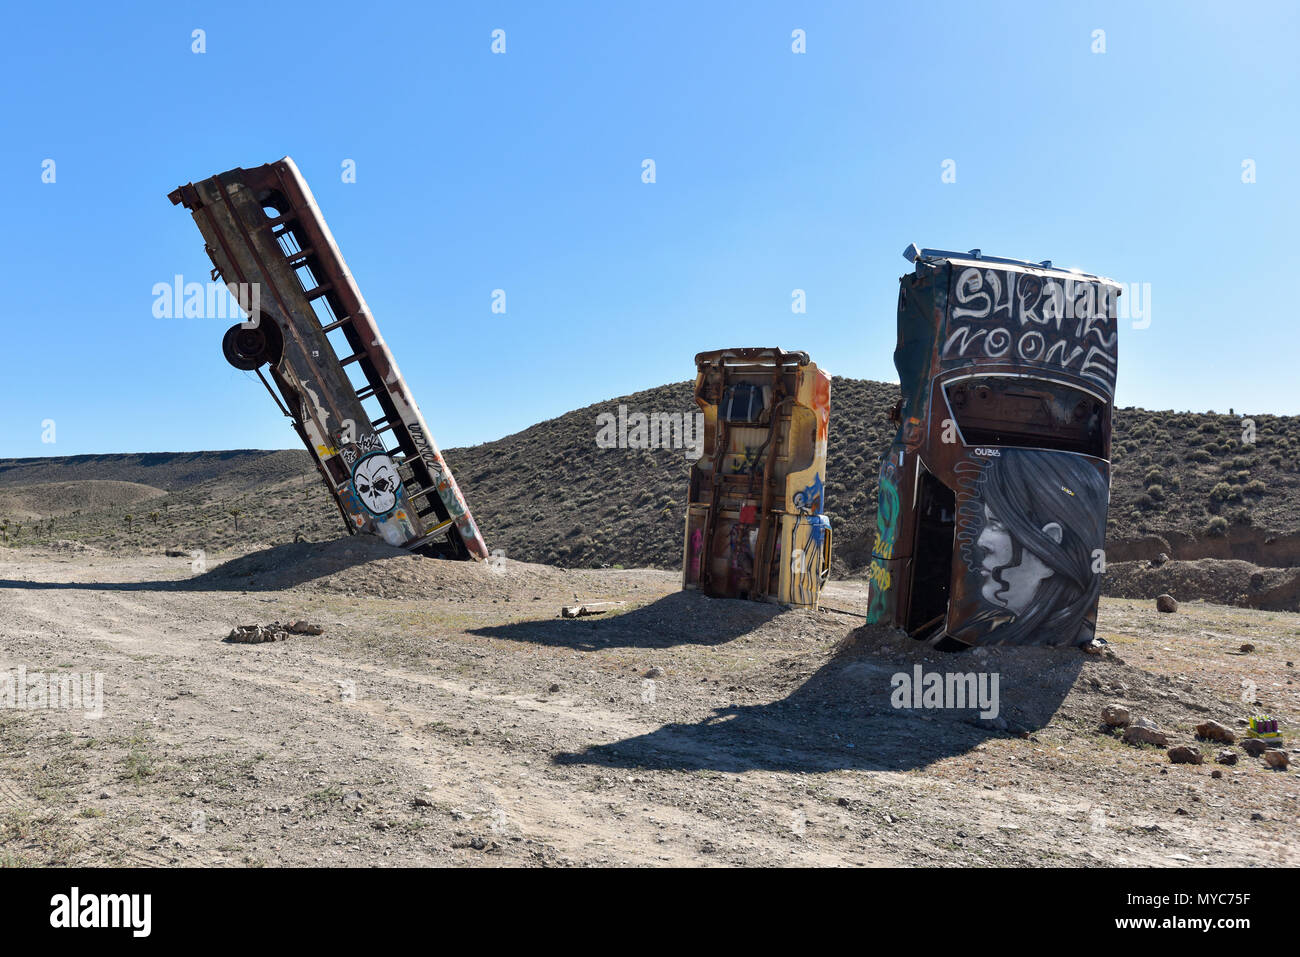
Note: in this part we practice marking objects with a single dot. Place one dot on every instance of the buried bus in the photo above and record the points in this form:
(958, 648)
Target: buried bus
(336, 380)
(755, 519)
(991, 503)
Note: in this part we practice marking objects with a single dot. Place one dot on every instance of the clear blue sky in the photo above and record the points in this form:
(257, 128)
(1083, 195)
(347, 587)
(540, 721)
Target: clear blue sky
(522, 171)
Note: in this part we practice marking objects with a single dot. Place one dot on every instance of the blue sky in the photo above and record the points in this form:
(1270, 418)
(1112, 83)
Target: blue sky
(522, 172)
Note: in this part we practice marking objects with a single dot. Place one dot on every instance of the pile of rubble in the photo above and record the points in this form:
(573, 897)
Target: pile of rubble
(256, 634)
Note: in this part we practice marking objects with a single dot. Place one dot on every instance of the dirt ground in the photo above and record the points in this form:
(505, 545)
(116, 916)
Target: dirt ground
(448, 716)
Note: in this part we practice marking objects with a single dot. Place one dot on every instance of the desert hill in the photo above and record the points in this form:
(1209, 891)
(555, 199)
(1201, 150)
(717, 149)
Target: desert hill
(1183, 482)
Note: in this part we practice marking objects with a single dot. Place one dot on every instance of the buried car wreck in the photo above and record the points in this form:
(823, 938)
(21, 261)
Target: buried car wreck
(992, 497)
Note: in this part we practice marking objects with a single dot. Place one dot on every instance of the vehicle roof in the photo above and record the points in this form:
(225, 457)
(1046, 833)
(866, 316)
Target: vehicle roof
(975, 257)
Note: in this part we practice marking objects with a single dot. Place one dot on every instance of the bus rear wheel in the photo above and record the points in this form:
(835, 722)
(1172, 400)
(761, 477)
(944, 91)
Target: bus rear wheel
(248, 348)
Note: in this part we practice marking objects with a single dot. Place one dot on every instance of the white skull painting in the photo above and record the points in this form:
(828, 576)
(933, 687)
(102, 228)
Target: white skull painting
(377, 483)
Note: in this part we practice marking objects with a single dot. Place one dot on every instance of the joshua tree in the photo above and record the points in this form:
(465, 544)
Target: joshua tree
(128, 521)
(234, 513)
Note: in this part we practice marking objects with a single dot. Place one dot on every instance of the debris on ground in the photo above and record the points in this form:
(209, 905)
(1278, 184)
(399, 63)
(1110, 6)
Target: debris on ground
(590, 608)
(256, 634)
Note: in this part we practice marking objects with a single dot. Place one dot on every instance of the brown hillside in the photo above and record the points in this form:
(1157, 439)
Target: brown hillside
(1184, 481)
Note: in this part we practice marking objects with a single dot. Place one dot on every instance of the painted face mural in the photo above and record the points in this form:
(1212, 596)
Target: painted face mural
(1031, 531)
(377, 483)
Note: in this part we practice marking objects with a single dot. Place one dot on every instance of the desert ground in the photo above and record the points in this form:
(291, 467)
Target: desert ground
(447, 715)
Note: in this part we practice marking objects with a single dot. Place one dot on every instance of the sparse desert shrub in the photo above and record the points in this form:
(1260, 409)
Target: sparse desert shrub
(1216, 527)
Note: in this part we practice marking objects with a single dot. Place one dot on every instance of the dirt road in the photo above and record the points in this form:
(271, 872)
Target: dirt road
(466, 723)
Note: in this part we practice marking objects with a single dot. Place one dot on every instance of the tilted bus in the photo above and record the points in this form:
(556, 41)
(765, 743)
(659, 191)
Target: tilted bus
(333, 375)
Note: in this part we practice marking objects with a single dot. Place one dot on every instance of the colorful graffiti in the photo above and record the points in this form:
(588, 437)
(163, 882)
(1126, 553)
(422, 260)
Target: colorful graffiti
(882, 550)
(377, 483)
(1020, 317)
(1030, 526)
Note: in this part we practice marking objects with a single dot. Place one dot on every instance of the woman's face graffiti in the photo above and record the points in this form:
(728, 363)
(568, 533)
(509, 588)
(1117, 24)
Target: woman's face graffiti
(1011, 572)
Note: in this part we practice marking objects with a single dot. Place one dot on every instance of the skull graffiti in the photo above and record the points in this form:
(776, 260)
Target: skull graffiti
(377, 483)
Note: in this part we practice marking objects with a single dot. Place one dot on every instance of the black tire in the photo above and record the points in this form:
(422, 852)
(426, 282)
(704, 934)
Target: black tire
(249, 348)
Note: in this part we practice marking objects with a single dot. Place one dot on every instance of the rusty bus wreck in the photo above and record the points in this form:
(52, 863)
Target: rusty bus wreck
(336, 380)
(991, 512)
(755, 522)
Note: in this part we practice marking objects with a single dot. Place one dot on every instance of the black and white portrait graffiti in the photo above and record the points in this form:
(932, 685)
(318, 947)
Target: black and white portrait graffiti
(1024, 318)
(377, 483)
(1031, 532)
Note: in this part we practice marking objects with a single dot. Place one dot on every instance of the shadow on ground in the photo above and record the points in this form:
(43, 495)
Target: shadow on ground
(681, 618)
(841, 717)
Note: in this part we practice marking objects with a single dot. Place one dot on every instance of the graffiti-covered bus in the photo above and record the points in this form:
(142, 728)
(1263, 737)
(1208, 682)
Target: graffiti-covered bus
(756, 524)
(333, 375)
(992, 497)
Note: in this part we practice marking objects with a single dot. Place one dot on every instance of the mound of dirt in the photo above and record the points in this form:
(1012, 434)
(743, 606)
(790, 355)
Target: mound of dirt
(365, 566)
(1222, 581)
(54, 499)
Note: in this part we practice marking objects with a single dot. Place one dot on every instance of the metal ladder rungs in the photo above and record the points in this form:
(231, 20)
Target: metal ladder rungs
(330, 327)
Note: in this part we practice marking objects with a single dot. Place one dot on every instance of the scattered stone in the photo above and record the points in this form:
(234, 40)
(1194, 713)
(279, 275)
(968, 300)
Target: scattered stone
(104, 795)
(1185, 755)
(352, 797)
(422, 802)
(301, 626)
(1276, 758)
(1166, 604)
(1143, 731)
(1213, 731)
(1116, 715)
(1227, 757)
(1216, 774)
(1254, 746)
(1256, 816)
(655, 672)
(1247, 648)
(1159, 560)
(553, 688)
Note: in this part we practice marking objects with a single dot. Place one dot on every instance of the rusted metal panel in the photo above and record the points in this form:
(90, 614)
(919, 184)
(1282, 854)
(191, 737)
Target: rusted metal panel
(755, 520)
(991, 511)
(334, 374)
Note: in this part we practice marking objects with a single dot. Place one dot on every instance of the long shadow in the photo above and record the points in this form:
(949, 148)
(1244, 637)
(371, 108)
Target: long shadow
(841, 718)
(682, 618)
(271, 569)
